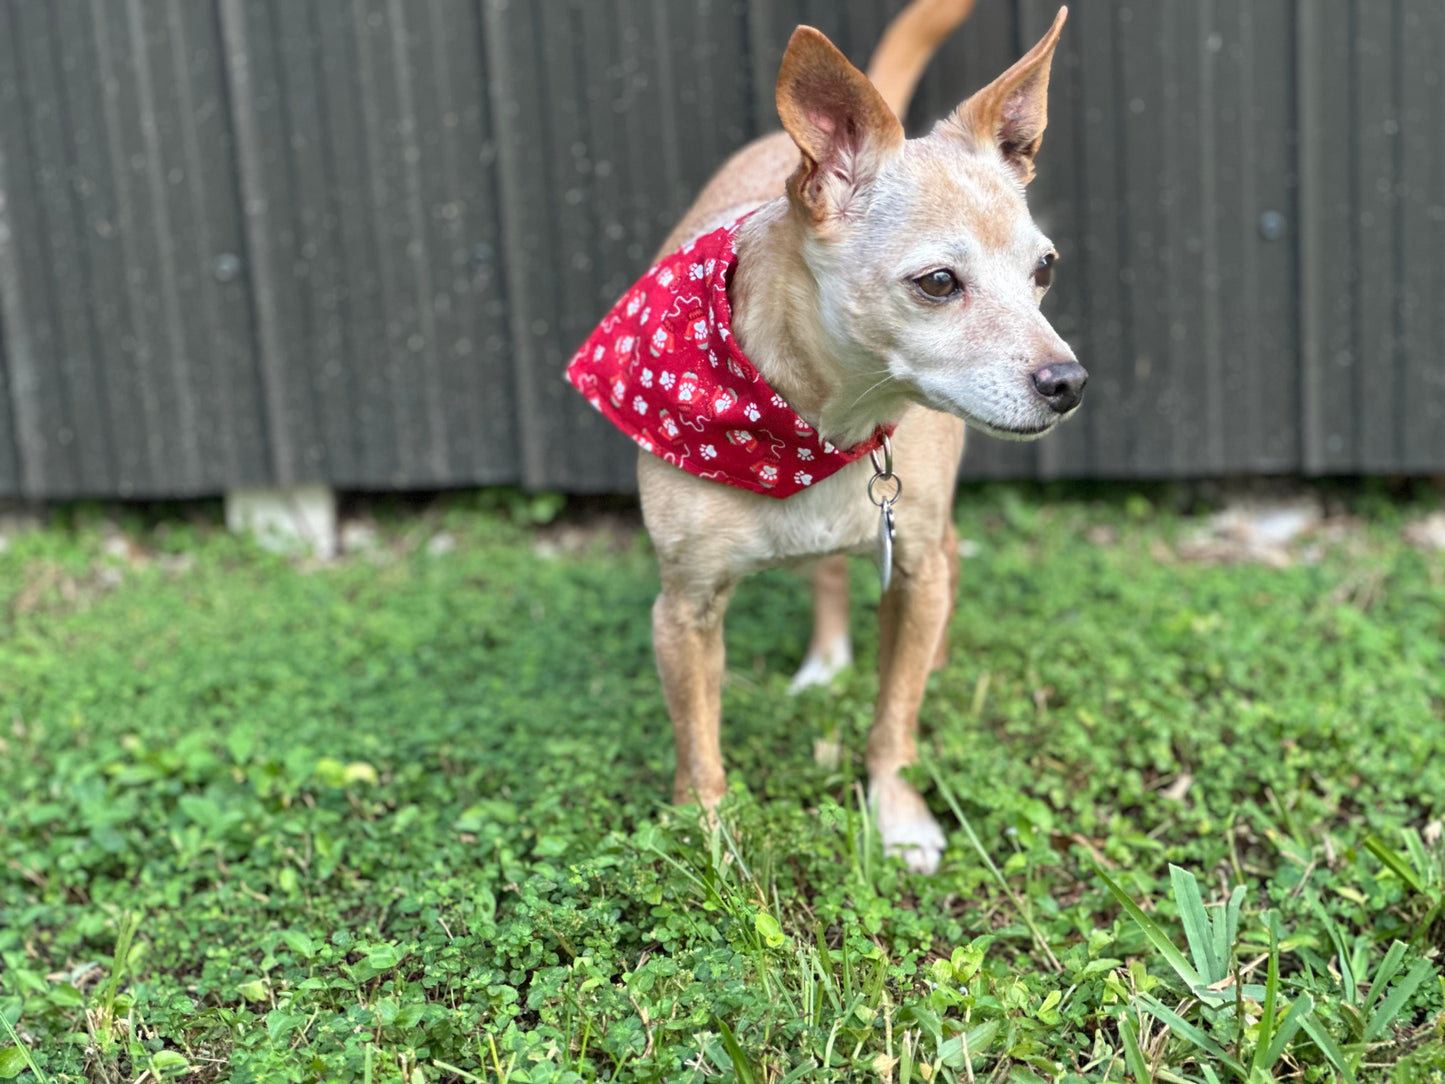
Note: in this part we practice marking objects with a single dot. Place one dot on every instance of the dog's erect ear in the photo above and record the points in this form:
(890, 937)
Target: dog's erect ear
(838, 120)
(1012, 111)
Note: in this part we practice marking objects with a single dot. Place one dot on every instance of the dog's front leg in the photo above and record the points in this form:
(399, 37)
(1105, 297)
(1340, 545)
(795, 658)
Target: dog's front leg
(911, 619)
(687, 636)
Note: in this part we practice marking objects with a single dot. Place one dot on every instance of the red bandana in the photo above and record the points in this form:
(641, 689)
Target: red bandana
(664, 367)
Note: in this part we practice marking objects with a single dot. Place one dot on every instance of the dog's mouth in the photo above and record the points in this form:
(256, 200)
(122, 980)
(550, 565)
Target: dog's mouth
(1015, 434)
(1006, 415)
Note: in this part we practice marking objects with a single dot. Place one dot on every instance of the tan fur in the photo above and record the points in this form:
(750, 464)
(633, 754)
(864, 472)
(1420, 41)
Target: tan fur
(917, 32)
(827, 304)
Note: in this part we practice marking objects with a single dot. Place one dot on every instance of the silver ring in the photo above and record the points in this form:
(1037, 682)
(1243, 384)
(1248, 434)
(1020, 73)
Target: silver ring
(885, 501)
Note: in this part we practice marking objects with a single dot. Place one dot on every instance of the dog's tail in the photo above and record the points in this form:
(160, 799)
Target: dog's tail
(909, 44)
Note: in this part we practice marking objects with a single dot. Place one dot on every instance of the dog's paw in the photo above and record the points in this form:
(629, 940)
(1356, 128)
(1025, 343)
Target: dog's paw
(821, 669)
(907, 828)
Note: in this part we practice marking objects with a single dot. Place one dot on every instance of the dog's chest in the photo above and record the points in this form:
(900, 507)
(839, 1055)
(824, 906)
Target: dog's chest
(834, 516)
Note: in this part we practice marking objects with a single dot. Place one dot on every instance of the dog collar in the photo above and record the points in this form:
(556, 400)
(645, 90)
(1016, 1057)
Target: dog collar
(663, 366)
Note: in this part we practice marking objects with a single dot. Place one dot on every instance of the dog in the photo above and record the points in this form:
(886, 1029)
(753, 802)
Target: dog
(801, 362)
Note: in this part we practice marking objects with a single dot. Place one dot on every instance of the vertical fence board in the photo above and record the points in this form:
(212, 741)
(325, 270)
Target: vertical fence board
(123, 267)
(1328, 250)
(1104, 341)
(370, 455)
(41, 411)
(1422, 232)
(392, 163)
(82, 428)
(1147, 81)
(458, 202)
(304, 242)
(1375, 120)
(1060, 206)
(1254, 232)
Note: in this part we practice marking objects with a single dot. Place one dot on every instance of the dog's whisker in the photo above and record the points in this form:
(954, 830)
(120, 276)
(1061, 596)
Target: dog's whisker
(886, 377)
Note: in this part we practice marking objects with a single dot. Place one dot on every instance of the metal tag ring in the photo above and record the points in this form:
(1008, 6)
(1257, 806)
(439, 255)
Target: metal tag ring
(882, 502)
(882, 468)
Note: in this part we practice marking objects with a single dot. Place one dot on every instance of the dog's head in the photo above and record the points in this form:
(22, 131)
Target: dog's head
(929, 268)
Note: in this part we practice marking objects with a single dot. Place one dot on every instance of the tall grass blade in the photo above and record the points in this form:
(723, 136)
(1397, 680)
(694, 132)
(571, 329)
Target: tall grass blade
(1385, 973)
(1396, 863)
(741, 1069)
(1328, 1047)
(1198, 929)
(1158, 938)
(1420, 857)
(1347, 973)
(1390, 1008)
(1292, 1022)
(1226, 932)
(1192, 1032)
(1133, 1055)
(24, 1050)
(1271, 992)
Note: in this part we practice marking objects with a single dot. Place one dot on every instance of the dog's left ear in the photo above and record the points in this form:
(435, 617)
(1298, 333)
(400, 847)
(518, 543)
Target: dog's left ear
(838, 120)
(1012, 111)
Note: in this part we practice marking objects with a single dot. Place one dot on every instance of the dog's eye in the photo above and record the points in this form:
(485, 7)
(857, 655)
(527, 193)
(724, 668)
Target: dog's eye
(940, 283)
(1044, 272)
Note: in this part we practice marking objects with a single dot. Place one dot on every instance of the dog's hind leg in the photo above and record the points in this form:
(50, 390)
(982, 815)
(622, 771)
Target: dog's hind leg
(687, 636)
(830, 651)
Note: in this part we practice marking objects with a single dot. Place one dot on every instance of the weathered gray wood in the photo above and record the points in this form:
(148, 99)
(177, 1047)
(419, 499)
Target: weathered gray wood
(1422, 232)
(1328, 251)
(45, 440)
(1098, 261)
(305, 240)
(1376, 123)
(1059, 207)
(355, 241)
(463, 228)
(84, 426)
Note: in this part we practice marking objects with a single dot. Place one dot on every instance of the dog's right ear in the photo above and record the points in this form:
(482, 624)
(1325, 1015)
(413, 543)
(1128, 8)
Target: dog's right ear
(838, 120)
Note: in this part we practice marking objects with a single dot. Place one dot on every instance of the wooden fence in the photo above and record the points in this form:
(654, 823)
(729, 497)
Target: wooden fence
(266, 242)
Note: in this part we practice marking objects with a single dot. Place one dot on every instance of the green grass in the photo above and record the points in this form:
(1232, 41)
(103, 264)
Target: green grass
(403, 818)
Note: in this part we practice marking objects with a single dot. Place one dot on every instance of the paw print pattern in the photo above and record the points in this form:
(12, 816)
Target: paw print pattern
(663, 367)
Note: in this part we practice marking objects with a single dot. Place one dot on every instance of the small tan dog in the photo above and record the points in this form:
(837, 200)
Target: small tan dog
(880, 281)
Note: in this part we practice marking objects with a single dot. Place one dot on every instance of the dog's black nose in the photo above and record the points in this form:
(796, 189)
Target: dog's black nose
(1061, 383)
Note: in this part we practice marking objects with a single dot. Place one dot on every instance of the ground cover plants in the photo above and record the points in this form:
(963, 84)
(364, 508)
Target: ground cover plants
(402, 817)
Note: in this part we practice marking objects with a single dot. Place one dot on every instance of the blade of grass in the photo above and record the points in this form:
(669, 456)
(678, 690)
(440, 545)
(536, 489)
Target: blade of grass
(741, 1069)
(24, 1050)
(1347, 974)
(998, 876)
(1419, 857)
(1395, 862)
(1292, 1022)
(1198, 929)
(1271, 992)
(1315, 1029)
(1390, 1008)
(1133, 1055)
(1385, 973)
(1193, 1033)
(1226, 933)
(1157, 937)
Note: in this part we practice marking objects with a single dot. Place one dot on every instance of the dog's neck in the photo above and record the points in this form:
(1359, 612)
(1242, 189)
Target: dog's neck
(777, 322)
